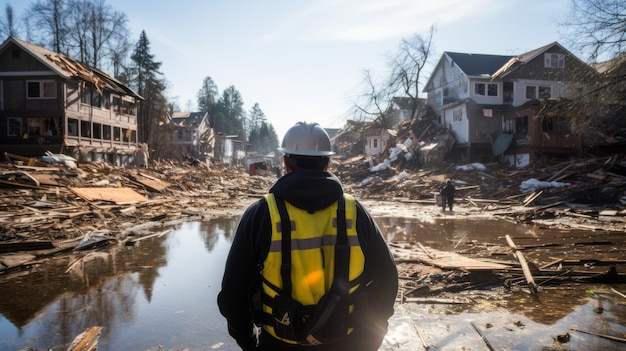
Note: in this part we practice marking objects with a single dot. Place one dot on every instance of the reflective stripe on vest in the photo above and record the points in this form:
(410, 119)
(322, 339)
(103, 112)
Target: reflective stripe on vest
(313, 237)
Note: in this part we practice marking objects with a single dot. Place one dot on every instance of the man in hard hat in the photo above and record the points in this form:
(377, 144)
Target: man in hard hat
(308, 264)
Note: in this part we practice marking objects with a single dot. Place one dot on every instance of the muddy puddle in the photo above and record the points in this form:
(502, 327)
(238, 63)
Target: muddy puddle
(160, 294)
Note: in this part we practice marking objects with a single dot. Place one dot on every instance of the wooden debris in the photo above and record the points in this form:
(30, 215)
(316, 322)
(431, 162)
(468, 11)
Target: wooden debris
(527, 274)
(86, 341)
(442, 259)
(117, 195)
(421, 336)
(609, 337)
(483, 337)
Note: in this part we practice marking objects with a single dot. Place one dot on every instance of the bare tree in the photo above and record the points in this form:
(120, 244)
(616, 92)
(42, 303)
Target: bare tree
(7, 25)
(97, 31)
(48, 23)
(597, 27)
(406, 67)
(408, 64)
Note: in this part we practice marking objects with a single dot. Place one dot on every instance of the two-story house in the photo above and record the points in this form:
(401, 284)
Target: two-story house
(478, 97)
(192, 133)
(50, 102)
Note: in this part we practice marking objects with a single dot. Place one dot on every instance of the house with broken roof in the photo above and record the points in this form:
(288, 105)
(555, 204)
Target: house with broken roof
(192, 133)
(492, 103)
(50, 102)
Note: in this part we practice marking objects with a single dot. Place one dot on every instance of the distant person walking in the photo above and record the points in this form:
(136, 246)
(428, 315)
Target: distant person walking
(447, 195)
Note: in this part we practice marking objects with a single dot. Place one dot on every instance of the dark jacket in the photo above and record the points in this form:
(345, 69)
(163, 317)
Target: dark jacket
(309, 190)
(447, 190)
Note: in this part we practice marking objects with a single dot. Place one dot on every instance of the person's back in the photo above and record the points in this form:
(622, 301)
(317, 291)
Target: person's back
(327, 280)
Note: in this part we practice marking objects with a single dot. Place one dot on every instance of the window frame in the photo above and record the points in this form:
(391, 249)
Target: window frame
(11, 127)
(44, 87)
(485, 89)
(554, 60)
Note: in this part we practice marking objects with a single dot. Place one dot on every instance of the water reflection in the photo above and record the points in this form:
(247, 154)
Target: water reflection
(161, 293)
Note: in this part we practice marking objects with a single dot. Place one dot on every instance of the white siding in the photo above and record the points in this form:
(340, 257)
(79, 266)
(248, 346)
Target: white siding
(459, 127)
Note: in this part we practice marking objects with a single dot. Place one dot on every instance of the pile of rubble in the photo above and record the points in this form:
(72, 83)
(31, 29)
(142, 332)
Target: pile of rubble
(583, 188)
(43, 201)
(56, 201)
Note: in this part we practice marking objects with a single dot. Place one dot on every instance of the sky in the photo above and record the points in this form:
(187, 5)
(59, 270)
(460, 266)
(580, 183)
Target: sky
(305, 60)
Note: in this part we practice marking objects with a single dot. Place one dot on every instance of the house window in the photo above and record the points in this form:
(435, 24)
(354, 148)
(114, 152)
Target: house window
(85, 129)
(116, 133)
(91, 96)
(41, 89)
(507, 92)
(553, 60)
(457, 115)
(545, 92)
(538, 92)
(115, 104)
(72, 127)
(14, 126)
(486, 89)
(509, 125)
(106, 132)
(97, 131)
(375, 141)
(107, 100)
(128, 108)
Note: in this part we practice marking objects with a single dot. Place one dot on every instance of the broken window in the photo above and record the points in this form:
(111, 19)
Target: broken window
(531, 92)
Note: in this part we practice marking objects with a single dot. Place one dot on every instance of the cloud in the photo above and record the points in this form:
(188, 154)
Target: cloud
(373, 20)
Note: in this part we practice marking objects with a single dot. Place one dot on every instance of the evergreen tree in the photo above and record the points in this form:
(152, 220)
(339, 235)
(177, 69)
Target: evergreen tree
(207, 95)
(146, 79)
(229, 116)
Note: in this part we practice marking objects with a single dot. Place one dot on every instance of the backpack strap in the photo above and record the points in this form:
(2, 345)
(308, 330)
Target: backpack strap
(285, 228)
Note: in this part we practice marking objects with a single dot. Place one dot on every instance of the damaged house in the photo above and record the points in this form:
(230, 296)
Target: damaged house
(49, 102)
(192, 133)
(491, 103)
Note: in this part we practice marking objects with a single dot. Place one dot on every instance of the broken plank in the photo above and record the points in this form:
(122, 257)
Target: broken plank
(522, 260)
(445, 260)
(609, 337)
(483, 337)
(117, 195)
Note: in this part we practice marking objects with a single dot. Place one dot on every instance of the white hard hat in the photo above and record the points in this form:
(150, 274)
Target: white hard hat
(306, 139)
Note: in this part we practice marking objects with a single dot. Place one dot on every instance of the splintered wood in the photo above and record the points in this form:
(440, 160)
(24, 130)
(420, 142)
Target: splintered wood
(443, 259)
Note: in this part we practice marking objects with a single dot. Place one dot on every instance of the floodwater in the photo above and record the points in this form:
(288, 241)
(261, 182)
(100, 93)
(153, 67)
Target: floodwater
(161, 294)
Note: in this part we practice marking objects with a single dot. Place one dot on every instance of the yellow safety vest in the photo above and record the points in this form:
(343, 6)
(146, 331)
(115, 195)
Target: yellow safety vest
(313, 238)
